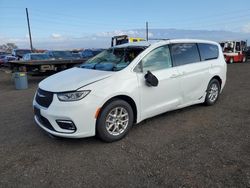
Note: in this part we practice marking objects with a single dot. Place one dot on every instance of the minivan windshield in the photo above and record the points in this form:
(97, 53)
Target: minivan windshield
(113, 59)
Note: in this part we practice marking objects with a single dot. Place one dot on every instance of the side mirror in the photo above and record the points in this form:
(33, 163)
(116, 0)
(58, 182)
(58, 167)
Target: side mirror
(151, 79)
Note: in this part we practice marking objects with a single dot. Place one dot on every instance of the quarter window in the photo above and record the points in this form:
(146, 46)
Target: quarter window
(157, 59)
(183, 54)
(208, 51)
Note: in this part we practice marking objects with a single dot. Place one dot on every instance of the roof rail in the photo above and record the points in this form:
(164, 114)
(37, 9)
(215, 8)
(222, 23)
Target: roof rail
(158, 39)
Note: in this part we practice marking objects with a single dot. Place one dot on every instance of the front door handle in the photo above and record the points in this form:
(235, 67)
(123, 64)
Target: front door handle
(174, 75)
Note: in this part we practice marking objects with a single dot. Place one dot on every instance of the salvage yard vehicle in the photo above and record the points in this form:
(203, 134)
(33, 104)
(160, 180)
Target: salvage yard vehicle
(127, 84)
(19, 53)
(123, 39)
(4, 59)
(50, 61)
(234, 51)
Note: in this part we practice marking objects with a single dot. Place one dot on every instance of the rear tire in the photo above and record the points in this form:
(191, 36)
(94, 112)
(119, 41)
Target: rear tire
(213, 92)
(114, 121)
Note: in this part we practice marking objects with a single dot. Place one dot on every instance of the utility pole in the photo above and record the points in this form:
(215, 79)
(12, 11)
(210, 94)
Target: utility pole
(28, 21)
(147, 31)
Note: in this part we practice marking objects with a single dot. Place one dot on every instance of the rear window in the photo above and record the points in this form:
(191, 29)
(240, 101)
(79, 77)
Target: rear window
(208, 51)
(184, 53)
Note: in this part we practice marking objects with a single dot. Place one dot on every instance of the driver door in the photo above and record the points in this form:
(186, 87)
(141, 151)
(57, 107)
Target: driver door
(166, 95)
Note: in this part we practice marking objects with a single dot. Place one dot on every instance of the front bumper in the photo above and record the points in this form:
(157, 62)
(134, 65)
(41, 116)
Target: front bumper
(81, 113)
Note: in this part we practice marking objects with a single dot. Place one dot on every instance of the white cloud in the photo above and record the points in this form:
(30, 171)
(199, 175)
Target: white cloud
(131, 33)
(110, 34)
(56, 36)
(102, 39)
(246, 28)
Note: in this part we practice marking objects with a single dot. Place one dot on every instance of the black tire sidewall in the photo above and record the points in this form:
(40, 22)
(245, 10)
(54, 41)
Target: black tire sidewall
(207, 100)
(101, 127)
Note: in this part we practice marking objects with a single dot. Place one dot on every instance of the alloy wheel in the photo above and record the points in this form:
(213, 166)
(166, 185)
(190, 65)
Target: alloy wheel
(213, 92)
(117, 121)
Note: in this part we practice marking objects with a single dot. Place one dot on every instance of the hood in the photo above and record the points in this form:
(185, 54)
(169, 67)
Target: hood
(72, 79)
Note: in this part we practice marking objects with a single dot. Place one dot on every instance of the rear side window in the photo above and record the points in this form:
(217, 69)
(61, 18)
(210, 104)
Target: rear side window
(208, 51)
(183, 54)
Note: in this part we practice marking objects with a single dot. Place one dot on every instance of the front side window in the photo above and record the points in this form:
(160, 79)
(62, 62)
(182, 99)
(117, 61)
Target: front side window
(157, 59)
(183, 54)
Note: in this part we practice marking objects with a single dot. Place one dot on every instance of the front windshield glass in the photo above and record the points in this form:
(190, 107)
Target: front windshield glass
(113, 59)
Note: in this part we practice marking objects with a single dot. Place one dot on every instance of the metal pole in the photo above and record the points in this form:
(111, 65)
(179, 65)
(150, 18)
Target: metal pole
(147, 31)
(28, 21)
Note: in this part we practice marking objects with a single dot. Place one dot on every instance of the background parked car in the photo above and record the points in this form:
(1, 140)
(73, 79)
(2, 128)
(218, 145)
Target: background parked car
(9, 58)
(2, 56)
(4, 59)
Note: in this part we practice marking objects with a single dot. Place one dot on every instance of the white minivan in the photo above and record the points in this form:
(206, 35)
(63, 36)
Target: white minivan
(127, 84)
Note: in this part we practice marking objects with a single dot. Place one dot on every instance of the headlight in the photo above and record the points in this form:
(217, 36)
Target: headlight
(73, 96)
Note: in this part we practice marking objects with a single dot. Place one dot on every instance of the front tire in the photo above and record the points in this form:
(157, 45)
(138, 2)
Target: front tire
(213, 92)
(114, 121)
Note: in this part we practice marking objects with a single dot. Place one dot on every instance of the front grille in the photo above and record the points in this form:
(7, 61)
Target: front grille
(44, 98)
(45, 122)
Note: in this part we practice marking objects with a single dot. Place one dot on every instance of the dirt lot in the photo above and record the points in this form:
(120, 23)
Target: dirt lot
(194, 147)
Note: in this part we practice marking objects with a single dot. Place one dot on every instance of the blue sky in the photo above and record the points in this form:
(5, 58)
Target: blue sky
(60, 20)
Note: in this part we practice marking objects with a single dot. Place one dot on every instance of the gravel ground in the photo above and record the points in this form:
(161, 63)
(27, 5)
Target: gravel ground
(196, 146)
